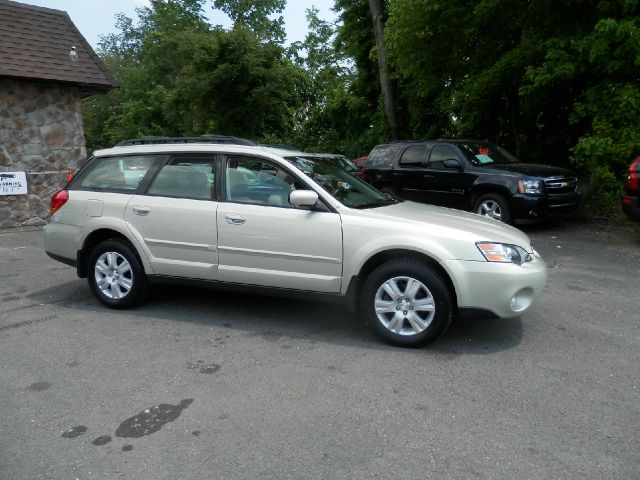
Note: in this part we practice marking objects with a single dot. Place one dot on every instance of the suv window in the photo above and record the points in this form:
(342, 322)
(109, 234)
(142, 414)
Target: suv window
(414, 156)
(252, 180)
(185, 177)
(116, 173)
(439, 154)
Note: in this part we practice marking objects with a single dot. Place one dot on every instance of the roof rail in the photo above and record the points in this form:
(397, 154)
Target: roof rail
(207, 138)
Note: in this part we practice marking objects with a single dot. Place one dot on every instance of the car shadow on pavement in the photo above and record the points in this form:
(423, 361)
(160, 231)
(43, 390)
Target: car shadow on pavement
(275, 318)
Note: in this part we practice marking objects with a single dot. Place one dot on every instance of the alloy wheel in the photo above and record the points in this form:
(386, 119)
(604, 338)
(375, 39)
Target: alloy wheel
(404, 306)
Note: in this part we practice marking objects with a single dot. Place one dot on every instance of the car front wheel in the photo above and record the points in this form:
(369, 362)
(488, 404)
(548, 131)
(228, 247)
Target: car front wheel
(115, 274)
(406, 303)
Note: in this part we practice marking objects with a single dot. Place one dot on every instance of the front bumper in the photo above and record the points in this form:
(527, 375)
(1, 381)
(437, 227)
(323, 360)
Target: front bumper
(505, 289)
(540, 207)
(630, 207)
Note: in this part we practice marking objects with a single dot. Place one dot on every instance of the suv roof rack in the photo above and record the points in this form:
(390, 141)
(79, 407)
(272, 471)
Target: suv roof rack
(207, 138)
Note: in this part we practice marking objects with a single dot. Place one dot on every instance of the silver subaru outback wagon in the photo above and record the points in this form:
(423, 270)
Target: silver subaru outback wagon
(266, 220)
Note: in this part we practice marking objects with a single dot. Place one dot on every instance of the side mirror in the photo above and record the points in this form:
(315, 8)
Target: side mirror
(303, 198)
(452, 163)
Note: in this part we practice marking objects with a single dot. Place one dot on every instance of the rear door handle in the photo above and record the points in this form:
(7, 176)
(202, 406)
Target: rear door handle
(426, 175)
(235, 219)
(141, 210)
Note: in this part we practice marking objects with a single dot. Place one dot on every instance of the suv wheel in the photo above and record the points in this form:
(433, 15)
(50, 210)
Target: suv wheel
(493, 205)
(406, 303)
(115, 274)
(389, 190)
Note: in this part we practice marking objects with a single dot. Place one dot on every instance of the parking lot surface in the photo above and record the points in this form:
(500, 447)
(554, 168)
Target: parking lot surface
(208, 384)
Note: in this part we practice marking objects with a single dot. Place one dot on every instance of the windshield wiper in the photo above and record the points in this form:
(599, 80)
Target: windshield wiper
(378, 203)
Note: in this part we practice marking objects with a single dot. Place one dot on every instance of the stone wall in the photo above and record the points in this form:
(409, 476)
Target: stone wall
(41, 133)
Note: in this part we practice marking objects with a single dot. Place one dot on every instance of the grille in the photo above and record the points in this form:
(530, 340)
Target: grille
(561, 186)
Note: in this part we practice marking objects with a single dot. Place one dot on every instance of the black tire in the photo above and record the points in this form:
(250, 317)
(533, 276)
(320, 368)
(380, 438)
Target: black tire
(493, 205)
(103, 279)
(390, 190)
(397, 325)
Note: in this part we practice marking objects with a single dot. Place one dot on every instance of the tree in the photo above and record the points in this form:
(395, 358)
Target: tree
(255, 16)
(180, 76)
(386, 83)
(554, 81)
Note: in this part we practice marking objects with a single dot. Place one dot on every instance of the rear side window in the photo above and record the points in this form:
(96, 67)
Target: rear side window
(185, 178)
(383, 156)
(116, 173)
(414, 156)
(439, 154)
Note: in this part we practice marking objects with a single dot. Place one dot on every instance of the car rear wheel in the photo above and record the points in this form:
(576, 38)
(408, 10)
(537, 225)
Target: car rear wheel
(493, 205)
(406, 303)
(115, 274)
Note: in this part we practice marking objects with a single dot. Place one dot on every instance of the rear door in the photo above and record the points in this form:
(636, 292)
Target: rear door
(175, 220)
(263, 240)
(409, 171)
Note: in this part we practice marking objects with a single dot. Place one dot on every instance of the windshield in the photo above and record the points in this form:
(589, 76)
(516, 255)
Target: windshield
(483, 153)
(340, 184)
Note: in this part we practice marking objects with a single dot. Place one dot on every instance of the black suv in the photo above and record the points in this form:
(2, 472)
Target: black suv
(471, 175)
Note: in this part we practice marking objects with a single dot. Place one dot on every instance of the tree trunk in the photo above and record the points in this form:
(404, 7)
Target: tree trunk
(386, 85)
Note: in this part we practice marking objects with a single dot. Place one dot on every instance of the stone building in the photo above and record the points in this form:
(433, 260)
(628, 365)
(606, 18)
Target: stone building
(46, 68)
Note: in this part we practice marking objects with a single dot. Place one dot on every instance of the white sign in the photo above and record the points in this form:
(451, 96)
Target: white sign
(13, 183)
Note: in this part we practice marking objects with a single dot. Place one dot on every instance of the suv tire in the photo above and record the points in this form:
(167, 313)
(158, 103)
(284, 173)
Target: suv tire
(406, 303)
(115, 274)
(493, 205)
(390, 190)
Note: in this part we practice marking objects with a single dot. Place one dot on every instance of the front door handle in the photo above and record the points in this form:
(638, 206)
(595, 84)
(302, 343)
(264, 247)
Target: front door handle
(235, 219)
(427, 175)
(141, 210)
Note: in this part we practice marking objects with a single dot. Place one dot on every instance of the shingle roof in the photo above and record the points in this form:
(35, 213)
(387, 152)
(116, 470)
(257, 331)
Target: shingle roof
(35, 43)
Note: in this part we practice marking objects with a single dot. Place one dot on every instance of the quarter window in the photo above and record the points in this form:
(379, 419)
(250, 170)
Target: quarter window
(117, 173)
(439, 154)
(413, 156)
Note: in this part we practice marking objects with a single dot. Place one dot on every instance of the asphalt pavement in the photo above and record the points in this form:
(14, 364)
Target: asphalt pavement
(200, 384)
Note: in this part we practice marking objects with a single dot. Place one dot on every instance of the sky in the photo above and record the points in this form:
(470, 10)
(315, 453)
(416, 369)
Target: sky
(96, 17)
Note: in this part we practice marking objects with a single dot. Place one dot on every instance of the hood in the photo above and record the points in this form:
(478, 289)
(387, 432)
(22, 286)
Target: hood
(532, 169)
(458, 224)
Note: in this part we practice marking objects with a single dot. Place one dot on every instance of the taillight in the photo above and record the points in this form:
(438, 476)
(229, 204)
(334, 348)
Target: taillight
(58, 200)
(363, 172)
(634, 173)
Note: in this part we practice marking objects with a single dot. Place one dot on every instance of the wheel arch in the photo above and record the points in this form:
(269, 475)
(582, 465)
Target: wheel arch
(93, 239)
(355, 285)
(483, 189)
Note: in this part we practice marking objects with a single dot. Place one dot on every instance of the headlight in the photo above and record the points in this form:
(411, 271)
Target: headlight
(530, 186)
(503, 253)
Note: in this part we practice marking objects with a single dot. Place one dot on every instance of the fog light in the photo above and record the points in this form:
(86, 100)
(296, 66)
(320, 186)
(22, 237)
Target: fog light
(522, 299)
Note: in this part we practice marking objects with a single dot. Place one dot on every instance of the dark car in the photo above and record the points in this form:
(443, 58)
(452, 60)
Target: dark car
(472, 175)
(631, 199)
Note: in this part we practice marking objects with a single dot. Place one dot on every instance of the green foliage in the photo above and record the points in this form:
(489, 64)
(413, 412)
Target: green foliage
(255, 15)
(179, 76)
(555, 81)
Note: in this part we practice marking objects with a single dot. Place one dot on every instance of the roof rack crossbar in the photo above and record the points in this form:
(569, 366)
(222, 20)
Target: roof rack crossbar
(207, 138)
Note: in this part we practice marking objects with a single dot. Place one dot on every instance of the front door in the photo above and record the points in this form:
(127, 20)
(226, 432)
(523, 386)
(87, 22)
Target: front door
(175, 220)
(263, 240)
(444, 186)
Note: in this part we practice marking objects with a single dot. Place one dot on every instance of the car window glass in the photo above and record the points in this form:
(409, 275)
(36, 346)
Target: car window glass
(341, 184)
(413, 156)
(252, 180)
(439, 154)
(185, 178)
(117, 173)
